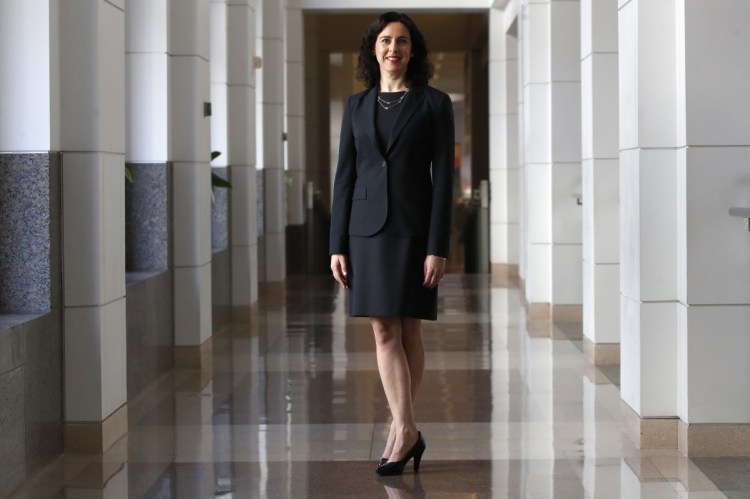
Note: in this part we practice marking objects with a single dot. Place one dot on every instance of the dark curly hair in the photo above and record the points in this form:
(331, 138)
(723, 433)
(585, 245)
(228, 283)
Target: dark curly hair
(420, 68)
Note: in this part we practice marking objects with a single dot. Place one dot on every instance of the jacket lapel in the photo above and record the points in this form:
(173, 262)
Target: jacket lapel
(368, 112)
(411, 103)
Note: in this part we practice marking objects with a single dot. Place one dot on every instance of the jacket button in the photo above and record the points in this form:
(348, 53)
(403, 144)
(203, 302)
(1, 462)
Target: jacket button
(383, 165)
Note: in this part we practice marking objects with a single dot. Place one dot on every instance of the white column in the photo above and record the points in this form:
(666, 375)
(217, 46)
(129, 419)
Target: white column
(189, 90)
(270, 102)
(601, 179)
(713, 249)
(523, 214)
(565, 154)
(649, 281)
(218, 64)
(295, 115)
(92, 125)
(241, 153)
(147, 65)
(551, 137)
(503, 145)
(28, 116)
(537, 167)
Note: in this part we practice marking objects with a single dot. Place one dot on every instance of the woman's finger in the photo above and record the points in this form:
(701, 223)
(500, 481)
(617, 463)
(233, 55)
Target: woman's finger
(338, 269)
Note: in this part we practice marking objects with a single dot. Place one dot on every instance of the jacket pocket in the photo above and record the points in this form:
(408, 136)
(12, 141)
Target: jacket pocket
(359, 193)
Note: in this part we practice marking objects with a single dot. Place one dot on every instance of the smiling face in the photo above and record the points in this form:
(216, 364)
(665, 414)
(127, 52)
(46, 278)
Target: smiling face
(393, 49)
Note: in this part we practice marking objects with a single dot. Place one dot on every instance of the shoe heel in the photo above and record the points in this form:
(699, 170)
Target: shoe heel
(418, 456)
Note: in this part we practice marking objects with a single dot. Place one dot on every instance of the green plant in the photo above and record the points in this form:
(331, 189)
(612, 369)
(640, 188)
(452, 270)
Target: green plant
(216, 181)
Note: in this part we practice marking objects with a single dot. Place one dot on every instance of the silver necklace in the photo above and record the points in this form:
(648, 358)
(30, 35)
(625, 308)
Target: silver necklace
(386, 105)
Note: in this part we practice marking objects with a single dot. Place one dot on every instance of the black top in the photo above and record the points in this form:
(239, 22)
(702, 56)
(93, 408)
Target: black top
(385, 119)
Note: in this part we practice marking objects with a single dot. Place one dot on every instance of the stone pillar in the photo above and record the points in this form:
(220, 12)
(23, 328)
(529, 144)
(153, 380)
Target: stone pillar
(295, 115)
(219, 126)
(565, 154)
(92, 132)
(537, 190)
(713, 249)
(649, 216)
(521, 207)
(503, 96)
(147, 136)
(270, 153)
(31, 377)
(601, 181)
(191, 207)
(29, 181)
(552, 177)
(241, 152)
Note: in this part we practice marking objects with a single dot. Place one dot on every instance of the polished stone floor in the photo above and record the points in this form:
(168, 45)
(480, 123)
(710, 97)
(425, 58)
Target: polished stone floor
(292, 407)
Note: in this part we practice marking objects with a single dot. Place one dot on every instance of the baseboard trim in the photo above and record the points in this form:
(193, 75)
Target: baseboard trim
(648, 433)
(540, 311)
(96, 437)
(503, 275)
(714, 440)
(244, 313)
(601, 354)
(567, 313)
(194, 357)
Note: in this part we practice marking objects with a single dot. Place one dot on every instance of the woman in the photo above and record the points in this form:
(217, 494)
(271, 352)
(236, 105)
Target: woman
(390, 221)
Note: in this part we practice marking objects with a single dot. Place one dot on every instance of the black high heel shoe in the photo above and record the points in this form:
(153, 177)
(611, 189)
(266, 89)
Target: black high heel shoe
(391, 468)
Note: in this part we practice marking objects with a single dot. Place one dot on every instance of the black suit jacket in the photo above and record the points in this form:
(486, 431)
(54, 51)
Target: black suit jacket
(410, 183)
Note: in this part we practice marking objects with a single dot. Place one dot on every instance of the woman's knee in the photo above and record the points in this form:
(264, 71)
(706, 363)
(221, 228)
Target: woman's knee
(411, 332)
(386, 331)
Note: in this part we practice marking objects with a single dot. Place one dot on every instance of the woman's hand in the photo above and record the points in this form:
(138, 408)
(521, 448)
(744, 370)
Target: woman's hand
(338, 267)
(434, 268)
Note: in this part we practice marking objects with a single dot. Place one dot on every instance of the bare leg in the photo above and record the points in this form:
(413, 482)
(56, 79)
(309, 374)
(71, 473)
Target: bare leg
(396, 378)
(411, 339)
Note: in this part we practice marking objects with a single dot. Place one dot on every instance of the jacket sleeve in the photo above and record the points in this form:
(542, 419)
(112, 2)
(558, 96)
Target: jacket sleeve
(346, 176)
(443, 145)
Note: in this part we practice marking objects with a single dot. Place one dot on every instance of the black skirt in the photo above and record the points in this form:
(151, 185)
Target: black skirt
(386, 273)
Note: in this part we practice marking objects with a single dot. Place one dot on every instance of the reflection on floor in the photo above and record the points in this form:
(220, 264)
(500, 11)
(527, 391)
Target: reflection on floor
(293, 407)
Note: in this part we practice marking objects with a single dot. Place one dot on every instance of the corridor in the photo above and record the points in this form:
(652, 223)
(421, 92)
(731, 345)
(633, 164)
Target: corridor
(291, 406)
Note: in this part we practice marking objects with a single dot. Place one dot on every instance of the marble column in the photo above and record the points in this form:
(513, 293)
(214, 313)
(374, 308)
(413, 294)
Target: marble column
(219, 126)
(29, 163)
(190, 153)
(92, 133)
(147, 135)
(601, 181)
(565, 154)
(713, 249)
(552, 157)
(31, 379)
(241, 151)
(649, 216)
(295, 115)
(537, 165)
(270, 152)
(503, 49)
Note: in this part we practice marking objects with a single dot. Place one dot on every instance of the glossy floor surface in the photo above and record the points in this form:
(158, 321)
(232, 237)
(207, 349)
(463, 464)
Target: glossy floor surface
(292, 406)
